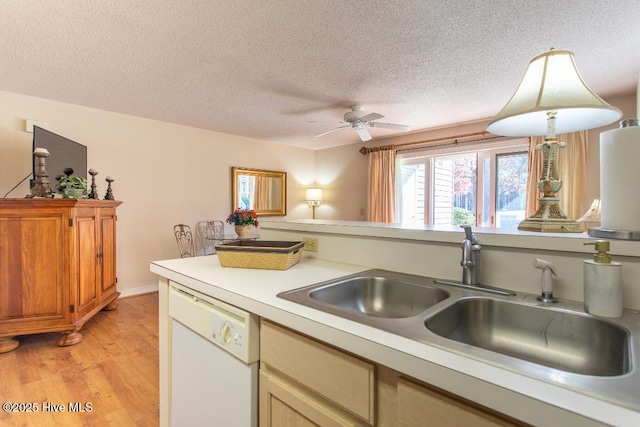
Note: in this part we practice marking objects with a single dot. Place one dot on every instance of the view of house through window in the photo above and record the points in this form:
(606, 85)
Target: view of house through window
(481, 184)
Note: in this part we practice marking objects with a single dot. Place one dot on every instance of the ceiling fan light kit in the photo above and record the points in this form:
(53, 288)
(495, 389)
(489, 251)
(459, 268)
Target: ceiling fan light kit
(359, 120)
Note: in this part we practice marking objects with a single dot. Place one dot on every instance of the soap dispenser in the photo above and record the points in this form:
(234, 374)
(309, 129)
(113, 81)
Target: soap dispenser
(602, 282)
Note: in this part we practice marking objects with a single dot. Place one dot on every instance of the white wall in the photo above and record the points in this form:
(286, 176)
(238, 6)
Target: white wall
(342, 174)
(164, 173)
(342, 171)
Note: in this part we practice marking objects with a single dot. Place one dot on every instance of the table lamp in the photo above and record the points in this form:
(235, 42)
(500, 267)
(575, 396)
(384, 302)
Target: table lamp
(314, 198)
(552, 98)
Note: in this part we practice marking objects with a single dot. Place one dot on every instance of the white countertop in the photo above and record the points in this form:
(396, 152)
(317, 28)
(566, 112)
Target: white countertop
(517, 395)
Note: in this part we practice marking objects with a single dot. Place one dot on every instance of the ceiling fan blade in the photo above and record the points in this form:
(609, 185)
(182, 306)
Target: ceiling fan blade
(371, 116)
(363, 133)
(333, 130)
(403, 128)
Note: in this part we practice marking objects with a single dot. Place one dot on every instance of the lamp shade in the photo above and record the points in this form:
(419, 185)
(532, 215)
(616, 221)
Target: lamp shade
(314, 195)
(552, 83)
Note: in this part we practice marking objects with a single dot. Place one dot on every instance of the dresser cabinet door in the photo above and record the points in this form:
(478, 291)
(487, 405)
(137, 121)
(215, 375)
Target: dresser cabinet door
(107, 259)
(33, 283)
(86, 268)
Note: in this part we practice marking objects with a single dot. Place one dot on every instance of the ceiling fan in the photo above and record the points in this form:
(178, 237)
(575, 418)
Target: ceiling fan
(359, 120)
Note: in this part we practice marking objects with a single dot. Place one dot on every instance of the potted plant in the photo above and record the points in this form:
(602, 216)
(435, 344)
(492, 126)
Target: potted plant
(71, 186)
(243, 219)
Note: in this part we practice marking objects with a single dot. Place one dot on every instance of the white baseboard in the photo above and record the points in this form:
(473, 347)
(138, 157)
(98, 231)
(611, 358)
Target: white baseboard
(138, 291)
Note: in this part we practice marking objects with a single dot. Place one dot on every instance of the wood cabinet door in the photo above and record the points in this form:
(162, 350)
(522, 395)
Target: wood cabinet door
(107, 258)
(33, 258)
(283, 404)
(86, 268)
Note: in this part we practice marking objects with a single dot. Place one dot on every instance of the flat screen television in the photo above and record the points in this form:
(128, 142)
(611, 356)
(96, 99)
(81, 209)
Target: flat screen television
(63, 153)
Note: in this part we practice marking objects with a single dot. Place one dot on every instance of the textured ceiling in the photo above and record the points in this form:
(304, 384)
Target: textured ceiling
(286, 70)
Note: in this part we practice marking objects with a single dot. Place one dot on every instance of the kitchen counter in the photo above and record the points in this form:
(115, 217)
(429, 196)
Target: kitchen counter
(528, 399)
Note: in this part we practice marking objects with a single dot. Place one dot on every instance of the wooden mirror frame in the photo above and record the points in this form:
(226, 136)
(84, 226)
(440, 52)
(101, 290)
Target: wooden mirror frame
(279, 207)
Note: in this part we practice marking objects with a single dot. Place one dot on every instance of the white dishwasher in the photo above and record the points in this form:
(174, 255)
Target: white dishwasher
(214, 362)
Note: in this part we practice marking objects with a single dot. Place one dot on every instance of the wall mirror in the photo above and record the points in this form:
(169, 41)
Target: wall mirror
(261, 190)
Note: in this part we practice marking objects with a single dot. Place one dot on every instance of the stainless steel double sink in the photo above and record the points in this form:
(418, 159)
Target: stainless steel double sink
(557, 342)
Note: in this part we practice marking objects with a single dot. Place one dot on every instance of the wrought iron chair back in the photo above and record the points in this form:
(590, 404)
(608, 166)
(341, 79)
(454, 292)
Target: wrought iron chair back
(184, 239)
(210, 233)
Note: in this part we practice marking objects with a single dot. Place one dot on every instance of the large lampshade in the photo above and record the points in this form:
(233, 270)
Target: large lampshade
(552, 83)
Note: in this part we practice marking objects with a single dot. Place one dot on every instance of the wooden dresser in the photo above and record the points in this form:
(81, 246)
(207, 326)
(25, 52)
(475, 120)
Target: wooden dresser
(57, 266)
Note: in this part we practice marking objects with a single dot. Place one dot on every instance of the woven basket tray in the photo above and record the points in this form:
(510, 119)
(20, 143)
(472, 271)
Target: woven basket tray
(262, 254)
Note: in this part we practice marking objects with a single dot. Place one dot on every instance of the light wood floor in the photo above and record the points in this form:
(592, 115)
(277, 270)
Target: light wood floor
(114, 368)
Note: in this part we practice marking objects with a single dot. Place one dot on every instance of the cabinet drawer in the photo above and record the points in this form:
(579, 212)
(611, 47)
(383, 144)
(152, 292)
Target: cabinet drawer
(345, 380)
(418, 405)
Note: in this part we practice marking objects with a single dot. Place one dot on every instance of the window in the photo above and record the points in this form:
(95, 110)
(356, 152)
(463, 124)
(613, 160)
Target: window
(480, 184)
(511, 189)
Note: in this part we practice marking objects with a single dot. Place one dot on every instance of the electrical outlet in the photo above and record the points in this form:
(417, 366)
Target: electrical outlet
(310, 244)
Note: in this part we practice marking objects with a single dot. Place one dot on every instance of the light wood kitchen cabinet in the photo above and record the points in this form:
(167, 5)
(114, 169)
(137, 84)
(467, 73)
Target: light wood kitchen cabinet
(421, 405)
(287, 404)
(304, 382)
(57, 266)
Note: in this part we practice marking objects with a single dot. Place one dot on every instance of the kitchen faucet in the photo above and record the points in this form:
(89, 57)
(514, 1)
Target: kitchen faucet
(470, 252)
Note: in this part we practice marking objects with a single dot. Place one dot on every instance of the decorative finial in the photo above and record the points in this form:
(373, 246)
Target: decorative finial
(41, 186)
(94, 189)
(109, 195)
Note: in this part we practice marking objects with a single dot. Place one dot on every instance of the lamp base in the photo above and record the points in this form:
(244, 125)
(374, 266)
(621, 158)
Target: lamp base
(550, 219)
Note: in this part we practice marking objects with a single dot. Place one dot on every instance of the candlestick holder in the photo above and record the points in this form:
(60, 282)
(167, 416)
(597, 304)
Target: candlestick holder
(41, 186)
(94, 189)
(109, 195)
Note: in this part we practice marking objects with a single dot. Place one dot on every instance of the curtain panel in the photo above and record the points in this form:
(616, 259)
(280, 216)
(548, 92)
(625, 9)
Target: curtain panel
(382, 186)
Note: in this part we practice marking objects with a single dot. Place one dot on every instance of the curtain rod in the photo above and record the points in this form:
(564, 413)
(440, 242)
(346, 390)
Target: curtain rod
(455, 138)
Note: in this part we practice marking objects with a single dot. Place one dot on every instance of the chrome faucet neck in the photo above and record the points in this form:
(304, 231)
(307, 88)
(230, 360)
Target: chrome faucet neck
(470, 251)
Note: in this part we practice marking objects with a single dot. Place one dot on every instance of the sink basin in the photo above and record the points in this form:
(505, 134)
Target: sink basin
(558, 339)
(371, 295)
(379, 296)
